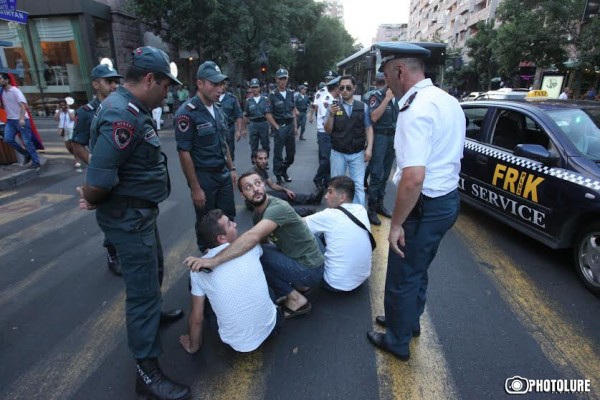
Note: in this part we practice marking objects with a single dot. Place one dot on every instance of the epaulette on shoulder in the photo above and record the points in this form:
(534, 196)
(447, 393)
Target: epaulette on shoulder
(190, 106)
(132, 108)
(88, 107)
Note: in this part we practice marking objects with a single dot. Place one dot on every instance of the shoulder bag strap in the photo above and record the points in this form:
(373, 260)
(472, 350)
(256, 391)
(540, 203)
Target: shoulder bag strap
(357, 222)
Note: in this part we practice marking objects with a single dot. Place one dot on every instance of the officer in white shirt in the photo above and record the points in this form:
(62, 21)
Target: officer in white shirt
(237, 291)
(348, 247)
(429, 141)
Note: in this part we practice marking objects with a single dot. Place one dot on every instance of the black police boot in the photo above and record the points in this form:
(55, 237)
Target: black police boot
(285, 176)
(168, 317)
(152, 384)
(373, 218)
(279, 179)
(381, 210)
(113, 262)
(304, 211)
(317, 197)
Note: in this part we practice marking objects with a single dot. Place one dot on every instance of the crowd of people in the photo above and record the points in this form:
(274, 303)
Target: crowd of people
(288, 251)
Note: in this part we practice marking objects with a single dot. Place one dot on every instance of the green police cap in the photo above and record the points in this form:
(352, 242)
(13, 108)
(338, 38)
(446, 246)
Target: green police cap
(210, 71)
(281, 73)
(104, 71)
(154, 60)
(393, 50)
(254, 82)
(329, 75)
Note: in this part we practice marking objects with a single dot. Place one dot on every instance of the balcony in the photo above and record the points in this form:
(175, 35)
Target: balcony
(480, 15)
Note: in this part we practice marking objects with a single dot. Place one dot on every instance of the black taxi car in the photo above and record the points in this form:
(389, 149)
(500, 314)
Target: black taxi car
(535, 165)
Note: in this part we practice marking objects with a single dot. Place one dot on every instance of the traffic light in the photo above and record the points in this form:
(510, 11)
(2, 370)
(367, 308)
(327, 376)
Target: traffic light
(263, 68)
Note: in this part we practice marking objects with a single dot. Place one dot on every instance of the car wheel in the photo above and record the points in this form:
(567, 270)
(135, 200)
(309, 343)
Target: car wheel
(587, 257)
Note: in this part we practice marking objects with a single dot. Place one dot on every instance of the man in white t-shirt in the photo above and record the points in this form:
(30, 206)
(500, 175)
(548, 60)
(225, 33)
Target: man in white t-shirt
(348, 247)
(66, 121)
(245, 321)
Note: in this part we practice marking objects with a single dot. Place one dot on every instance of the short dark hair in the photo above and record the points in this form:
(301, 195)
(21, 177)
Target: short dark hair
(343, 184)
(255, 154)
(209, 228)
(350, 77)
(245, 175)
(5, 75)
(135, 74)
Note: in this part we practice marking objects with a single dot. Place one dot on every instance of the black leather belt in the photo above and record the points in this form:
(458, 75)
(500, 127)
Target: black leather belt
(258, 120)
(131, 202)
(284, 121)
(211, 169)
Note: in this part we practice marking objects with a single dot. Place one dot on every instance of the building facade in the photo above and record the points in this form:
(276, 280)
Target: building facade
(334, 9)
(391, 33)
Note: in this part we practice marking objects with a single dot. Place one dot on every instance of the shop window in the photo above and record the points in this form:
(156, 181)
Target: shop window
(14, 58)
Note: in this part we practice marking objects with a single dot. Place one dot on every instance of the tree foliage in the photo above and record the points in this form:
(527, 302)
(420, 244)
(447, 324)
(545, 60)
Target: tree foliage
(480, 50)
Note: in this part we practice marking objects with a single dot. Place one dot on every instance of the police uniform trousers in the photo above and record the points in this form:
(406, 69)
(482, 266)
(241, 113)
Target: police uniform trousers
(301, 199)
(134, 234)
(284, 137)
(218, 190)
(322, 176)
(259, 131)
(230, 139)
(302, 122)
(380, 166)
(406, 278)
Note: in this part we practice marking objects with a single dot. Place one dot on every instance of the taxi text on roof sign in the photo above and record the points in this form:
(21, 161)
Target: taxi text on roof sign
(536, 95)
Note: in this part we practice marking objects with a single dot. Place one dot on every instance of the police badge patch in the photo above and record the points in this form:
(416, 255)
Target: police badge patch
(372, 101)
(183, 123)
(122, 134)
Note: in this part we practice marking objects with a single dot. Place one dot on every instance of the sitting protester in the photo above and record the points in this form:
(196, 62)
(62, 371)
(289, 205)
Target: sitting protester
(347, 245)
(244, 321)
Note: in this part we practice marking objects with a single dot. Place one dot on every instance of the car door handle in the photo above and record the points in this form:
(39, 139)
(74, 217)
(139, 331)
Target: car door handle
(481, 159)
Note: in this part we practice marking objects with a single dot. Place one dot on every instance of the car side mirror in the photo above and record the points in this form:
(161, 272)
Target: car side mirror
(536, 152)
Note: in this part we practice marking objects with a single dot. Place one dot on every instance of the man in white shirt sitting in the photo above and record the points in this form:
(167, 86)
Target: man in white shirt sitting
(348, 247)
(244, 321)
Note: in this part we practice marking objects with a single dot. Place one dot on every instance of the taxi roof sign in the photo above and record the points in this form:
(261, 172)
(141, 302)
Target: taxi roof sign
(537, 95)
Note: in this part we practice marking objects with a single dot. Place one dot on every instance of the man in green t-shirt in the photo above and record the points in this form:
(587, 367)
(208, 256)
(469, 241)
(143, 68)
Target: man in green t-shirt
(292, 260)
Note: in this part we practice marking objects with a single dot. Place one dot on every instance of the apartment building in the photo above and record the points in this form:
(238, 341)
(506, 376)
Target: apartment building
(391, 32)
(334, 9)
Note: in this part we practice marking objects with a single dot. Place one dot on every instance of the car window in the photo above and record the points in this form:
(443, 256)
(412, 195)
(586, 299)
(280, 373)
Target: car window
(513, 128)
(475, 118)
(581, 128)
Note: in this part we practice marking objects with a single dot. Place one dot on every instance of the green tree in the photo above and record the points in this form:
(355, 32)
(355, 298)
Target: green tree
(480, 49)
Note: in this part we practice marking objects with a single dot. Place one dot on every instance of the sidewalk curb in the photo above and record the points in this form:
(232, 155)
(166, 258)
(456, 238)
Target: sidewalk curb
(12, 179)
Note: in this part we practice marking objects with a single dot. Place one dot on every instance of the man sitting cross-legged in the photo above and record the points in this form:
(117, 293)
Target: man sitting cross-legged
(348, 247)
(292, 260)
(245, 321)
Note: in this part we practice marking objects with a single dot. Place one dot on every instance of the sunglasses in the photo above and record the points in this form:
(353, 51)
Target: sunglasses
(348, 88)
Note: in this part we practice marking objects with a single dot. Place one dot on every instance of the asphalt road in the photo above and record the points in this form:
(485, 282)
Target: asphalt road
(499, 305)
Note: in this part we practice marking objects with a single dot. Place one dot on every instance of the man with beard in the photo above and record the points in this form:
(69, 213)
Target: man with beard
(293, 259)
(126, 179)
(201, 132)
(105, 80)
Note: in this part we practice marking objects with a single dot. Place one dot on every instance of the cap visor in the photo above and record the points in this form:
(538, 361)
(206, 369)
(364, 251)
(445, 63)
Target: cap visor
(175, 80)
(216, 78)
(113, 75)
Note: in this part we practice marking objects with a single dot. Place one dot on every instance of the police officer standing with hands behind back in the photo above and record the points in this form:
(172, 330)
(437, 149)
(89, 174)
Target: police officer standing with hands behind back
(254, 111)
(105, 80)
(281, 114)
(126, 179)
(429, 140)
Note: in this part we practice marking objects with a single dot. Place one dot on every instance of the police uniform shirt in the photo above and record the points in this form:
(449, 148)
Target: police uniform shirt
(281, 107)
(231, 108)
(201, 134)
(390, 114)
(430, 133)
(83, 121)
(301, 102)
(323, 100)
(255, 109)
(126, 157)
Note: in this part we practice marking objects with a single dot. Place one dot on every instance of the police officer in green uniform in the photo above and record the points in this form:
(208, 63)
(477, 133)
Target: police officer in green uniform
(384, 113)
(126, 179)
(105, 80)
(200, 132)
(281, 114)
(301, 101)
(254, 112)
(233, 114)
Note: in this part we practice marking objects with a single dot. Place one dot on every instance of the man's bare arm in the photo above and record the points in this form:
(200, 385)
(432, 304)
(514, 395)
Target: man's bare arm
(193, 340)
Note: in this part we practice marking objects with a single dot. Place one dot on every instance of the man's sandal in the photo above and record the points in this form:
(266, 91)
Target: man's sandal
(289, 313)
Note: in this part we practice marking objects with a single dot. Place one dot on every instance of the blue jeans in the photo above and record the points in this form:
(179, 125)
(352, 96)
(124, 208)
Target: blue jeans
(323, 171)
(406, 279)
(10, 131)
(284, 273)
(380, 166)
(355, 163)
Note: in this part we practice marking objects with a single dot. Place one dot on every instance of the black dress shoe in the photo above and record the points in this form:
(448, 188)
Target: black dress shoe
(168, 317)
(378, 340)
(373, 218)
(302, 138)
(380, 320)
(286, 177)
(151, 383)
(381, 210)
(279, 179)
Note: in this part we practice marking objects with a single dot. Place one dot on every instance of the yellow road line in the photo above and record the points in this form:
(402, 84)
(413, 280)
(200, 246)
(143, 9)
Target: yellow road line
(560, 341)
(426, 375)
(20, 208)
(63, 370)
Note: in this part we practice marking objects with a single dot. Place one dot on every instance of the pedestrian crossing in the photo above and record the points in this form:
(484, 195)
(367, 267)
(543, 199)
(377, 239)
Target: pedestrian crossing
(70, 362)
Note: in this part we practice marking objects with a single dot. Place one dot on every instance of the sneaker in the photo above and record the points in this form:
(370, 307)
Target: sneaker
(77, 165)
(78, 170)
(26, 159)
(35, 166)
